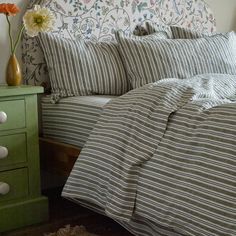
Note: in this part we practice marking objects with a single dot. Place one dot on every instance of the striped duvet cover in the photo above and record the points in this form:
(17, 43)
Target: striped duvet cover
(162, 159)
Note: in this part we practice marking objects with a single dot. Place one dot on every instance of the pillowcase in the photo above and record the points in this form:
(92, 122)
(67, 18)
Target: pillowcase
(176, 32)
(78, 67)
(149, 37)
(184, 33)
(153, 27)
(151, 60)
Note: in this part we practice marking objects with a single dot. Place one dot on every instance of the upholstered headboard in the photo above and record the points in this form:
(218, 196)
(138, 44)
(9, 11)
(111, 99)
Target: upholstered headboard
(97, 20)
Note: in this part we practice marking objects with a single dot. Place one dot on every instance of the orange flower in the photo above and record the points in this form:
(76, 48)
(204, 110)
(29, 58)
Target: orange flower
(9, 9)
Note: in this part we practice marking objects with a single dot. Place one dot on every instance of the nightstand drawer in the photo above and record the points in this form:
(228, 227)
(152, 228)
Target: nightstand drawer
(12, 114)
(17, 181)
(12, 149)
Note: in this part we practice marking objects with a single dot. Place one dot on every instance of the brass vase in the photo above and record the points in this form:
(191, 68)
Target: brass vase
(13, 72)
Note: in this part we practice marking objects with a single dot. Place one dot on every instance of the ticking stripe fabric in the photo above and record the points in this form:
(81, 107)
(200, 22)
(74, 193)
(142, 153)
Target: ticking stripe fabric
(161, 159)
(151, 60)
(72, 119)
(153, 27)
(78, 67)
(184, 33)
(176, 32)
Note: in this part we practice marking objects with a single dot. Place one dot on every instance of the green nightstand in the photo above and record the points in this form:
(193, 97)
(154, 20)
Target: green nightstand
(21, 202)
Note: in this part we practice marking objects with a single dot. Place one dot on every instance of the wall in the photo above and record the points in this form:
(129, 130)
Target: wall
(4, 39)
(225, 13)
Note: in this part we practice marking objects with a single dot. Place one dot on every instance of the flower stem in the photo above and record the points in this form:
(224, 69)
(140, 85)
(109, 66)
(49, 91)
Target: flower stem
(18, 39)
(9, 33)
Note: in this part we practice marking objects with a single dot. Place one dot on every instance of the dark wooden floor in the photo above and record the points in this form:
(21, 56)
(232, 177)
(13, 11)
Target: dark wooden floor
(63, 212)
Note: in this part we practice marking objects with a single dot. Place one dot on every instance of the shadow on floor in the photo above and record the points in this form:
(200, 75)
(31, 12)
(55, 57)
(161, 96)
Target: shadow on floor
(63, 212)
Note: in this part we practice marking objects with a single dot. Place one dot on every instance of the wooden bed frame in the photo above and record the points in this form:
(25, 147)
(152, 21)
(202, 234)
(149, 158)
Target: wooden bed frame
(57, 158)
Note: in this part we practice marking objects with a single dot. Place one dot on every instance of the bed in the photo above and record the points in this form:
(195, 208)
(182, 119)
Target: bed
(66, 127)
(158, 149)
(97, 20)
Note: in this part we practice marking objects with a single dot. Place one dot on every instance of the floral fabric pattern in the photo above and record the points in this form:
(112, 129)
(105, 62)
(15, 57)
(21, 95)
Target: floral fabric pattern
(97, 20)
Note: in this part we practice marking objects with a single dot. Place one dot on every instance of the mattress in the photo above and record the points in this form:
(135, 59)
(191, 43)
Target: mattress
(71, 119)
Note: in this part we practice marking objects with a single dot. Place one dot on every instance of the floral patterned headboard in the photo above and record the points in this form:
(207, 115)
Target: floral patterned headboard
(97, 20)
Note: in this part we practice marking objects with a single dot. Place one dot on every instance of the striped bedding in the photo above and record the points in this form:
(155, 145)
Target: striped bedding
(147, 61)
(78, 67)
(71, 119)
(161, 160)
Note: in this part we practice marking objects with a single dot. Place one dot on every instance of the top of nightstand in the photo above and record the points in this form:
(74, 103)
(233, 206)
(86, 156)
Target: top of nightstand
(19, 90)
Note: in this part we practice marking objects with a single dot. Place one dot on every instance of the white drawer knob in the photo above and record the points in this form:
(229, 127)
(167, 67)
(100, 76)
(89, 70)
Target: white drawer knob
(3, 117)
(4, 188)
(3, 152)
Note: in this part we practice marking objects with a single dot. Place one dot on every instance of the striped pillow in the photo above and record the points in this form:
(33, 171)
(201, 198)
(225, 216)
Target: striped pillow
(183, 33)
(154, 28)
(151, 60)
(78, 67)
